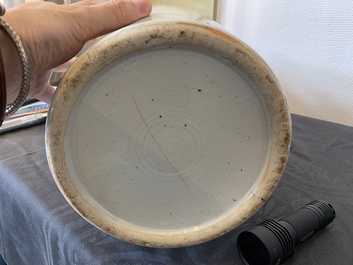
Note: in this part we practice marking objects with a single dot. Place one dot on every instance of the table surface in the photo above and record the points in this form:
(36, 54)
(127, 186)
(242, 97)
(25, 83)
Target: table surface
(37, 225)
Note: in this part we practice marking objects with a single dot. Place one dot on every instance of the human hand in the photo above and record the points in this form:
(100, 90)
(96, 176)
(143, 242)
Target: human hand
(53, 34)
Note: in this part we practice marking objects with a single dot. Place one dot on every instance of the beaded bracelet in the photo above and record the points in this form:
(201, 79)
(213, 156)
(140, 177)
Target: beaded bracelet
(25, 67)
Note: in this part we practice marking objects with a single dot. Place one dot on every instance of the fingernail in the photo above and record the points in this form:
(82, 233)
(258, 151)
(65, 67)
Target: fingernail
(144, 6)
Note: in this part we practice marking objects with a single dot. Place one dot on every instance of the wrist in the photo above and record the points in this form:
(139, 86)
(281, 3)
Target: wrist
(13, 73)
(12, 67)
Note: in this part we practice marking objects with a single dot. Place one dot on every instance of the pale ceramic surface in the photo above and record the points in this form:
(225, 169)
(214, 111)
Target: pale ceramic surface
(168, 133)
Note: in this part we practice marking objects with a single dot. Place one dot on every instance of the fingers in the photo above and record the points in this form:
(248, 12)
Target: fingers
(47, 94)
(63, 67)
(40, 88)
(102, 18)
(144, 6)
(84, 3)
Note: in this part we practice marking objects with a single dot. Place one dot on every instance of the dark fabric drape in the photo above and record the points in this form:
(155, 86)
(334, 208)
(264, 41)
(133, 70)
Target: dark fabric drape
(38, 226)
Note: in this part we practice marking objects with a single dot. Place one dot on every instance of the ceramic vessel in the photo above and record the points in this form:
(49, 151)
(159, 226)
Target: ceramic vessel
(169, 132)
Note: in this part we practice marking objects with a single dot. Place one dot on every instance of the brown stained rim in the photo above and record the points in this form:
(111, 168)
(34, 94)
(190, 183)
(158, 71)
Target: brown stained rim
(155, 35)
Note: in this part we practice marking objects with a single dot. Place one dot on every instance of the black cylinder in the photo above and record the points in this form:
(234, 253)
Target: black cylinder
(272, 242)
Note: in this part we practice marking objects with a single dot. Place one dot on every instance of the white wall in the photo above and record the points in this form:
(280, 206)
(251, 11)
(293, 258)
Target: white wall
(204, 7)
(309, 46)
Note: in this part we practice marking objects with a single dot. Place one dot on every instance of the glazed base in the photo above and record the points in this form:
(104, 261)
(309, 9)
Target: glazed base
(164, 140)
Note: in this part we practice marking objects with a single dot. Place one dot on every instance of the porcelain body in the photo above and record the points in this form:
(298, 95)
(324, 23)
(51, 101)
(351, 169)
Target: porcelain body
(169, 132)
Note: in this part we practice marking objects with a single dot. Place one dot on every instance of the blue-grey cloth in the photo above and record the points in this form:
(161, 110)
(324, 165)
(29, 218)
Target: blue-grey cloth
(2, 262)
(38, 226)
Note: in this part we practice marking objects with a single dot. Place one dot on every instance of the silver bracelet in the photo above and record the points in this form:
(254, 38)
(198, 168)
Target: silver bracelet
(25, 67)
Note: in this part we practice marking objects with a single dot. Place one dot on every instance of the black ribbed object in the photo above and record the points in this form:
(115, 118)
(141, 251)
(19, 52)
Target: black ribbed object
(272, 242)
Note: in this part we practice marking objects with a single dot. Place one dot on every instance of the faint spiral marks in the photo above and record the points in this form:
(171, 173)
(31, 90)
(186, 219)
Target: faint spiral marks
(175, 144)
